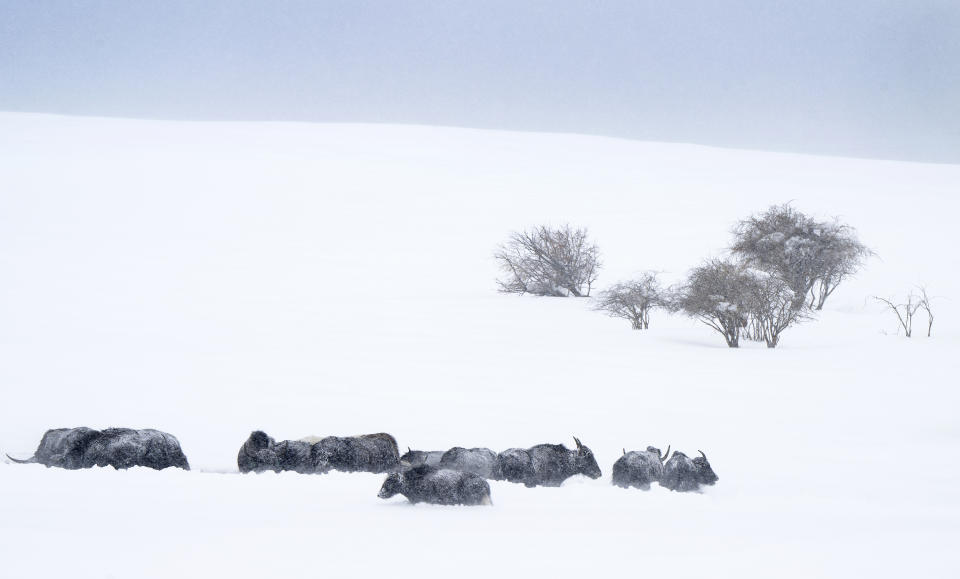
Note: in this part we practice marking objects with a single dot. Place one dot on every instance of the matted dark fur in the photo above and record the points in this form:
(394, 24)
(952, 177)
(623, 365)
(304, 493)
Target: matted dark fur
(516, 465)
(639, 469)
(376, 453)
(75, 448)
(479, 461)
(683, 474)
(547, 464)
(439, 486)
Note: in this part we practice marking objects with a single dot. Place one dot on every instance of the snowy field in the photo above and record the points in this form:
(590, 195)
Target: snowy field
(209, 279)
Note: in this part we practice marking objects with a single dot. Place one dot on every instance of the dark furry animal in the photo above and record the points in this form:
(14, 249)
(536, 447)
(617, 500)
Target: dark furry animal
(639, 468)
(516, 466)
(376, 453)
(683, 474)
(479, 461)
(75, 448)
(547, 464)
(414, 458)
(439, 486)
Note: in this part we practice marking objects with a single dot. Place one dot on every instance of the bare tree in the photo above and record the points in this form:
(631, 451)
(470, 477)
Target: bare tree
(904, 311)
(549, 262)
(633, 300)
(813, 257)
(772, 307)
(925, 304)
(717, 294)
(841, 255)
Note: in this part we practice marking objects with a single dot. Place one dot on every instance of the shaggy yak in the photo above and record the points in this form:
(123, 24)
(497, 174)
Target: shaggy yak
(418, 457)
(639, 468)
(439, 486)
(479, 461)
(376, 453)
(681, 473)
(74, 448)
(547, 464)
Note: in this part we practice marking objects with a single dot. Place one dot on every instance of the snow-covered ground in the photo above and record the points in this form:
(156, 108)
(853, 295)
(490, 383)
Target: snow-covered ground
(209, 279)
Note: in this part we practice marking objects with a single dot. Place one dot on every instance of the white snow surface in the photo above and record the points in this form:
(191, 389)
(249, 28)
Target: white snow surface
(209, 279)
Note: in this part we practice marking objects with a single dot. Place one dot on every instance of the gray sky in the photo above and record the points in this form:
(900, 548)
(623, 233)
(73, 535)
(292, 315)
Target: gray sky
(874, 78)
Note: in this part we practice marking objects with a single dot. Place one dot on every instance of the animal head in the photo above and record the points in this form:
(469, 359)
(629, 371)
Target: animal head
(413, 458)
(586, 463)
(705, 473)
(259, 440)
(391, 487)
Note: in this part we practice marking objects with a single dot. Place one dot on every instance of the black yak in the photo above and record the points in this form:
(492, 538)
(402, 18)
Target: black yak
(547, 464)
(439, 486)
(681, 473)
(516, 466)
(479, 461)
(414, 458)
(639, 468)
(75, 448)
(376, 453)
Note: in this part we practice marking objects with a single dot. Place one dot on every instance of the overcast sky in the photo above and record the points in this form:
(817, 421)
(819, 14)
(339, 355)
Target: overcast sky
(874, 78)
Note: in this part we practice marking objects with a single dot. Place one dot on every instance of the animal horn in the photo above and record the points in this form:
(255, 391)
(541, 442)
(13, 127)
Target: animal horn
(703, 455)
(577, 440)
(18, 461)
(408, 449)
(665, 455)
(624, 451)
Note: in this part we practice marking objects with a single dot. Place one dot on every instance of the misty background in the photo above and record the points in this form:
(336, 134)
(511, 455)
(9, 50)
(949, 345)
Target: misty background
(867, 78)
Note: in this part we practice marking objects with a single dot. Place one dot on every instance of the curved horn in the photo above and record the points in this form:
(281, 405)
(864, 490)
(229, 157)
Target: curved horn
(18, 461)
(577, 440)
(703, 455)
(408, 449)
(624, 451)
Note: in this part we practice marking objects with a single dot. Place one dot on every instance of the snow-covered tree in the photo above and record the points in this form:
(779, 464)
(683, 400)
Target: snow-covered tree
(547, 261)
(811, 256)
(771, 307)
(718, 294)
(736, 300)
(632, 300)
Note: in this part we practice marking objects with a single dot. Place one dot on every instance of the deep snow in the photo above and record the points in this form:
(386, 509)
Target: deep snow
(209, 279)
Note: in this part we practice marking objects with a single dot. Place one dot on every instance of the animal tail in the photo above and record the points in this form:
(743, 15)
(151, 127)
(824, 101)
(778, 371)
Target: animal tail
(18, 461)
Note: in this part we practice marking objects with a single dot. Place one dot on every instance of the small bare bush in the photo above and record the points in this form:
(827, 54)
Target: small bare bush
(717, 294)
(548, 261)
(633, 300)
(904, 310)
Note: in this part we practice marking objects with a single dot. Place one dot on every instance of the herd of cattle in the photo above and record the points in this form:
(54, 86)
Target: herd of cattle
(453, 477)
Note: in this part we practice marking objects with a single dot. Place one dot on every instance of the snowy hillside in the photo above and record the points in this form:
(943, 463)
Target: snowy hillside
(209, 279)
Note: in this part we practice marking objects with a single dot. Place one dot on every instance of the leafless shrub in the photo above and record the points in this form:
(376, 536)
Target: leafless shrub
(717, 294)
(904, 311)
(812, 256)
(737, 301)
(632, 300)
(772, 307)
(548, 262)
(925, 304)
